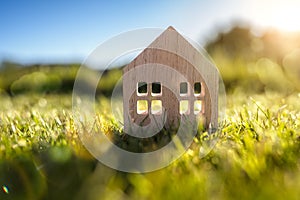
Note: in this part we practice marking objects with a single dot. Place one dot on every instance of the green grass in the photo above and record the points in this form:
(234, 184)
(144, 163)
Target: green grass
(257, 156)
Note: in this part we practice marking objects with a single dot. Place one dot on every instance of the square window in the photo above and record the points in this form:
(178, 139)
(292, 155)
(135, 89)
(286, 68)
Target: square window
(197, 88)
(156, 88)
(142, 107)
(183, 88)
(141, 88)
(156, 107)
(197, 107)
(184, 107)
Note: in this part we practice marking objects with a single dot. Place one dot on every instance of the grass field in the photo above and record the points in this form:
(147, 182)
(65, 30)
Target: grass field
(256, 157)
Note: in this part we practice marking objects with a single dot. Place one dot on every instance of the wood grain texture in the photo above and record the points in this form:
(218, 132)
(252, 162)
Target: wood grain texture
(170, 59)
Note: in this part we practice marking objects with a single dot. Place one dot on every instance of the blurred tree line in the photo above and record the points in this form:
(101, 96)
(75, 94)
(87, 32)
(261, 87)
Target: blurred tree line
(257, 62)
(56, 78)
(248, 61)
(16, 78)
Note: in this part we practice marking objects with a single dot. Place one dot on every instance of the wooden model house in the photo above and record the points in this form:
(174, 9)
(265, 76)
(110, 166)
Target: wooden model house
(170, 80)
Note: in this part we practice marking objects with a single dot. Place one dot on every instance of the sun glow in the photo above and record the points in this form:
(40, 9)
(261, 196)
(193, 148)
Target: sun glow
(283, 15)
(288, 19)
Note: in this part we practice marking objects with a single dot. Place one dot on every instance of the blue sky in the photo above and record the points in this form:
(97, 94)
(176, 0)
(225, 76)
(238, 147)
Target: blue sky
(64, 31)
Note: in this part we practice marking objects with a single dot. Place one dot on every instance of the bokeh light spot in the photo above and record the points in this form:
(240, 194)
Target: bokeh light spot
(5, 189)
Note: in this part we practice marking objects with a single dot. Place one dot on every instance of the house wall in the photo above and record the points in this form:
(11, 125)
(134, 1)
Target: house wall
(157, 65)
